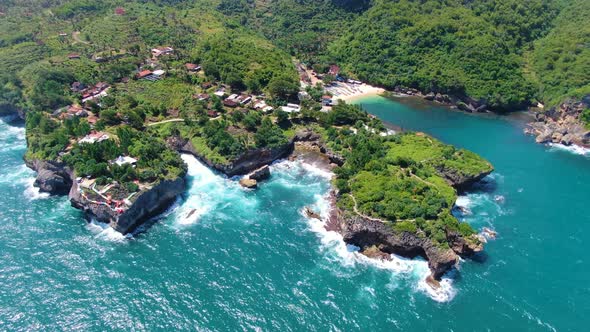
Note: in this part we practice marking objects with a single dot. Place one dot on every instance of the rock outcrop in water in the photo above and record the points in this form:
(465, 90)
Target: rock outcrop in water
(562, 125)
(53, 177)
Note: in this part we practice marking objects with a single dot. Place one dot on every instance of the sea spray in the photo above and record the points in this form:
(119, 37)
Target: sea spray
(208, 192)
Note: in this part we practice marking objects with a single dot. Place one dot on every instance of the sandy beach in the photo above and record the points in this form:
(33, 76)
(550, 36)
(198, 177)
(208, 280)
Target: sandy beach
(349, 92)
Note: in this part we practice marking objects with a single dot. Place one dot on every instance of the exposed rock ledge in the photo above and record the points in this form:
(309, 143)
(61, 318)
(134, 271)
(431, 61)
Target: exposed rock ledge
(562, 125)
(58, 179)
(371, 235)
(244, 164)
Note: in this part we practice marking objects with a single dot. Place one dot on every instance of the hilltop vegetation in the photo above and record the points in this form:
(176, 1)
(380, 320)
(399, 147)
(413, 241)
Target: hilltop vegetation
(561, 59)
(504, 53)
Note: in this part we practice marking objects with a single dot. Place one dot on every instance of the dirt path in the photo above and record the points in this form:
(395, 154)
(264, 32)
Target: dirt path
(165, 121)
(363, 215)
(76, 37)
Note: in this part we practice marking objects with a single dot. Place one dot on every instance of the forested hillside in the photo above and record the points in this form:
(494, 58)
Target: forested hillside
(505, 53)
(47, 45)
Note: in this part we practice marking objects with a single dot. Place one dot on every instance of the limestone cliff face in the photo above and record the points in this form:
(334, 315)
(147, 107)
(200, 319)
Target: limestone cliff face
(244, 164)
(562, 124)
(53, 177)
(58, 179)
(148, 204)
(368, 233)
(309, 136)
(461, 181)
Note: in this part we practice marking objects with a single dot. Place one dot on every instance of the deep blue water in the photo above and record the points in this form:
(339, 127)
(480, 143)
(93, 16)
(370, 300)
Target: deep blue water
(248, 260)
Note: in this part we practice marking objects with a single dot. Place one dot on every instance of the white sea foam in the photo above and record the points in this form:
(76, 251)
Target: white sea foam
(415, 270)
(208, 192)
(105, 232)
(32, 192)
(305, 168)
(575, 149)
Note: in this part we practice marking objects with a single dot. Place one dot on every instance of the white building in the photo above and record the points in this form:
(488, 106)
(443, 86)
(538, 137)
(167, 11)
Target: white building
(122, 160)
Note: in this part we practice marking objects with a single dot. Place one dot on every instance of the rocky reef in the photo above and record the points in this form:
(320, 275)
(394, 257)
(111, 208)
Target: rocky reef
(562, 124)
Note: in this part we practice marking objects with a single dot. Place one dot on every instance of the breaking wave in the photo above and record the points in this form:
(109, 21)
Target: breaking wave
(575, 149)
(413, 270)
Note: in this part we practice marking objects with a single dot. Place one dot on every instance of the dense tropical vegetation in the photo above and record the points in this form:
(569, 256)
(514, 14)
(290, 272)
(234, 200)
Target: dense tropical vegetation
(505, 53)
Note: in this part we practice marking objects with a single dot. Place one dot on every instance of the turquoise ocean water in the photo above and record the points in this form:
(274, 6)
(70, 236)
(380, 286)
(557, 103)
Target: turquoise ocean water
(249, 260)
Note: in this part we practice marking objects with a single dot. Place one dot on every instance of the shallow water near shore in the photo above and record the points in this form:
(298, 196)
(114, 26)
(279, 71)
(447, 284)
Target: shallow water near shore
(225, 258)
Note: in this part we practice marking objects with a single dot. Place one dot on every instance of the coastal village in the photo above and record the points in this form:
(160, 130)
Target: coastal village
(208, 93)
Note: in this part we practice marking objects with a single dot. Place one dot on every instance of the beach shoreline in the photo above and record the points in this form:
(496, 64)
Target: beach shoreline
(349, 92)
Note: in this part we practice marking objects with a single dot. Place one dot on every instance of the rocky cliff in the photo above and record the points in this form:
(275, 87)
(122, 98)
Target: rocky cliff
(460, 180)
(562, 124)
(313, 139)
(58, 179)
(370, 235)
(53, 177)
(148, 204)
(247, 162)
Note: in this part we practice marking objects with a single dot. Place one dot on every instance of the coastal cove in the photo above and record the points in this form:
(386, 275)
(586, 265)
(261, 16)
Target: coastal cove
(243, 246)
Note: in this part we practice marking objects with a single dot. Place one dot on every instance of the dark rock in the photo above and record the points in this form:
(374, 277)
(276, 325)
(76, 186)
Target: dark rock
(545, 136)
(376, 253)
(481, 108)
(54, 178)
(567, 139)
(247, 162)
(429, 96)
(260, 174)
(462, 181)
(312, 214)
(438, 97)
(556, 137)
(465, 107)
(148, 204)
(367, 233)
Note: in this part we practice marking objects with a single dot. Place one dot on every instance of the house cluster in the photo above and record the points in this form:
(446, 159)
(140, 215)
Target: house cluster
(149, 75)
(161, 51)
(236, 100)
(90, 93)
(94, 137)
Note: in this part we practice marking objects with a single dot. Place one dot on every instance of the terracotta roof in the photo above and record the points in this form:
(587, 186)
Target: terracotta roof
(191, 66)
(144, 73)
